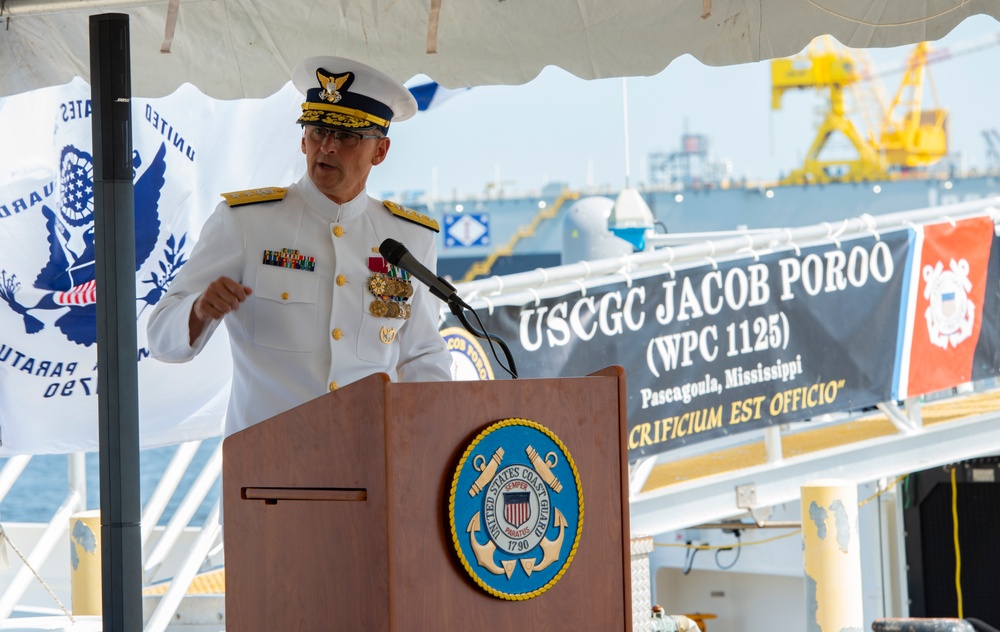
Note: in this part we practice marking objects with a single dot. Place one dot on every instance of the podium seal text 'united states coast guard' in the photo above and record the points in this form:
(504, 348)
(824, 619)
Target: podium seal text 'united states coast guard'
(516, 509)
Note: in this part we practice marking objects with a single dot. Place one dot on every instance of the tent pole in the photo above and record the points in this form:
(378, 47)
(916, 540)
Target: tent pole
(117, 363)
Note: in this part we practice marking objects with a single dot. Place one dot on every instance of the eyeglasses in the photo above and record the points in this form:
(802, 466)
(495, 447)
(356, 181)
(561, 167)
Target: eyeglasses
(340, 137)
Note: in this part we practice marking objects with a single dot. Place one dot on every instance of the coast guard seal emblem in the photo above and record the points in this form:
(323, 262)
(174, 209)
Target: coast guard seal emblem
(516, 509)
(951, 314)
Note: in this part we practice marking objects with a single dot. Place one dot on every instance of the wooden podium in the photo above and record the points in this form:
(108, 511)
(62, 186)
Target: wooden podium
(336, 512)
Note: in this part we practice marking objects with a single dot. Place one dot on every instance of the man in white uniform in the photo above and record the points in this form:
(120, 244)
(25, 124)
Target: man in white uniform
(309, 303)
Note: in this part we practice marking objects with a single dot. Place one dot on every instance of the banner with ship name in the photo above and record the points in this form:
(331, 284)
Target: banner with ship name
(188, 149)
(743, 344)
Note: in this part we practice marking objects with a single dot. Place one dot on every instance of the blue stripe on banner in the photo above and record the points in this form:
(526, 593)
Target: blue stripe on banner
(904, 327)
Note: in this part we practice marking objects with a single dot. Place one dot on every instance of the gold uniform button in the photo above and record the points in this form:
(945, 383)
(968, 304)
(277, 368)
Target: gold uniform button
(341, 279)
(284, 296)
(333, 386)
(337, 334)
(338, 231)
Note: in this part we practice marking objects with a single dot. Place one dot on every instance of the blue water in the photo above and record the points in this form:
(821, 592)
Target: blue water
(42, 486)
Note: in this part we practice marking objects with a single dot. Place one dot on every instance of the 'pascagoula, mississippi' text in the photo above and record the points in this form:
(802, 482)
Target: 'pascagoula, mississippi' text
(784, 371)
(682, 393)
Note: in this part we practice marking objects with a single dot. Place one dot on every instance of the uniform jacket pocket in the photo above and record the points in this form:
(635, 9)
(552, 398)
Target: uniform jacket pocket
(286, 311)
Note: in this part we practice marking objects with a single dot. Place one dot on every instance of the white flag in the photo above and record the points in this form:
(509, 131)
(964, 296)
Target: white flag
(187, 149)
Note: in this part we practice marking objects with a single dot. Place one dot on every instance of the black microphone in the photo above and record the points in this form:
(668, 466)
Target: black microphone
(397, 254)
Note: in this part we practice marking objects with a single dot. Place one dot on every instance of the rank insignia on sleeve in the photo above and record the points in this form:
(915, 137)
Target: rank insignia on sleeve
(516, 509)
(254, 196)
(411, 215)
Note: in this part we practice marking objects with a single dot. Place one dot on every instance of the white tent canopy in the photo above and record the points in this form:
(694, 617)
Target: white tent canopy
(246, 48)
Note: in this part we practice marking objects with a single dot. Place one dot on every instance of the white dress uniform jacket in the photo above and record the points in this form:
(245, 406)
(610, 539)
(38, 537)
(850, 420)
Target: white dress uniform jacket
(303, 333)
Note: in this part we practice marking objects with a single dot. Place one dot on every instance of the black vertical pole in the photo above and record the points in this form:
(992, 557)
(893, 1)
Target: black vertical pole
(117, 359)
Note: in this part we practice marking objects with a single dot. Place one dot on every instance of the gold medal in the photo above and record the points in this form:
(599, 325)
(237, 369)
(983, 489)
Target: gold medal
(376, 285)
(406, 289)
(378, 308)
(405, 311)
(392, 309)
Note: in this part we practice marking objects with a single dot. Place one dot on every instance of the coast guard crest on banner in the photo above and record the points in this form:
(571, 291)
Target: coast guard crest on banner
(516, 509)
(951, 313)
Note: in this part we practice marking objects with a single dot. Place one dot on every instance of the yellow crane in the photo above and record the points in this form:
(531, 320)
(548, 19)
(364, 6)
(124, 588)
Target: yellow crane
(914, 137)
(835, 71)
(909, 136)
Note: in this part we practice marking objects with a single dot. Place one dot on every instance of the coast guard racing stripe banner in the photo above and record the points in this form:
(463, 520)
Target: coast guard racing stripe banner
(948, 290)
(788, 336)
(183, 159)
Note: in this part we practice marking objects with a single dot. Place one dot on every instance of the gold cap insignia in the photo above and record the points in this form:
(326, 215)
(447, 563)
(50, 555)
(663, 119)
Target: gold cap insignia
(332, 84)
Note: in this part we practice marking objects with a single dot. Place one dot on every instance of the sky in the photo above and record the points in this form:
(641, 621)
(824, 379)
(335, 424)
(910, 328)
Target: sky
(559, 128)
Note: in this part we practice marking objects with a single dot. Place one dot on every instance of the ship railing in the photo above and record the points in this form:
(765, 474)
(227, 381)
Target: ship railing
(525, 287)
(162, 548)
(201, 550)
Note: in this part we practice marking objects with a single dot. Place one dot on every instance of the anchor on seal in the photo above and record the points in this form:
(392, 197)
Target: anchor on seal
(551, 548)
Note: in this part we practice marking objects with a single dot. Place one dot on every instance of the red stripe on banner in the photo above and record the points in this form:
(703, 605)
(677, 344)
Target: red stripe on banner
(949, 304)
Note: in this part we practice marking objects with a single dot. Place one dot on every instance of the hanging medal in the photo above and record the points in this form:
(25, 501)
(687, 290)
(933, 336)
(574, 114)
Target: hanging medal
(391, 287)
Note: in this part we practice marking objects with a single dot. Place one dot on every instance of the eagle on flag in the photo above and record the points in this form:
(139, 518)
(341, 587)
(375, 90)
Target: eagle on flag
(68, 281)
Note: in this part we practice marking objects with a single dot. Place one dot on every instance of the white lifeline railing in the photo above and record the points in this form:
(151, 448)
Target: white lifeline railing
(191, 564)
(75, 501)
(665, 252)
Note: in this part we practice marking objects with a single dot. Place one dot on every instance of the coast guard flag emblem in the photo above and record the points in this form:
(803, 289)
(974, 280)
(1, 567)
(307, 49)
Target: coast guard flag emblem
(945, 305)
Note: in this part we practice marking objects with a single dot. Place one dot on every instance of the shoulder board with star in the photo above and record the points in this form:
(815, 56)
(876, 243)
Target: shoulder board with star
(254, 196)
(411, 215)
